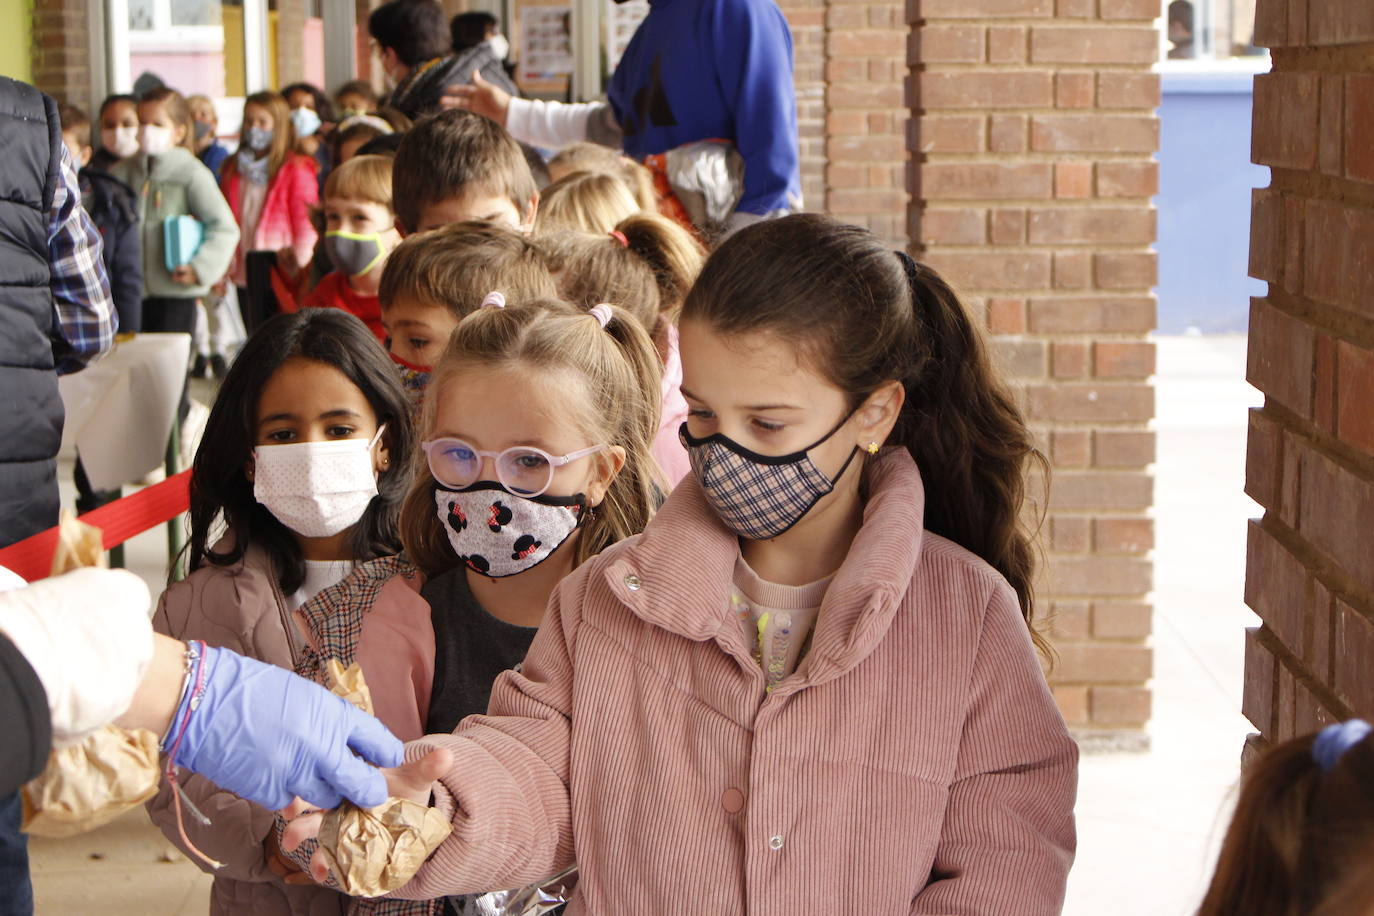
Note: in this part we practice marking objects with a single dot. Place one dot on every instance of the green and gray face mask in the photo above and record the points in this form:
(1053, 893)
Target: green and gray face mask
(355, 254)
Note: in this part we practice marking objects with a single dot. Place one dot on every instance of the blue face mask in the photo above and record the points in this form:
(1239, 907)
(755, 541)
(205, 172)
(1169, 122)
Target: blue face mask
(257, 139)
(305, 120)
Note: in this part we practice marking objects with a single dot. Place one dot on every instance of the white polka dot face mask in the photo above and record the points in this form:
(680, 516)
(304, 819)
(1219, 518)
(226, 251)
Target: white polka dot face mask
(316, 489)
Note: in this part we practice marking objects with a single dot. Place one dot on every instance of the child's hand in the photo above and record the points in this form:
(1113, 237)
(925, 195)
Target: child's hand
(281, 866)
(413, 780)
(480, 98)
(286, 260)
(185, 274)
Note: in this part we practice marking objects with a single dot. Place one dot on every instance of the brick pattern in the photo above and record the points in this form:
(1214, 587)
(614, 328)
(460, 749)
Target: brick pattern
(1033, 136)
(1310, 462)
(61, 56)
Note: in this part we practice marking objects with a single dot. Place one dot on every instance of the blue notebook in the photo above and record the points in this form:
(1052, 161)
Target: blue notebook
(181, 237)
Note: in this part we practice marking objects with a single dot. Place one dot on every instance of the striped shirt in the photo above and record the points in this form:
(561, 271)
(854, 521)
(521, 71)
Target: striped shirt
(86, 320)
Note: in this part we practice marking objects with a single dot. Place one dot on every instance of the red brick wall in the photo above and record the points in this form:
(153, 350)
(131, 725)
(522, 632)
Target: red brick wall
(1311, 455)
(61, 56)
(1034, 134)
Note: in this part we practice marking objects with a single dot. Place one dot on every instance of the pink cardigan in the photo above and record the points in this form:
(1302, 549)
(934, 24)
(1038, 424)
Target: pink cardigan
(285, 219)
(914, 763)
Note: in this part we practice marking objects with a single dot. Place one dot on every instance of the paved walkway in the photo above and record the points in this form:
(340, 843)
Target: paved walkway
(1148, 823)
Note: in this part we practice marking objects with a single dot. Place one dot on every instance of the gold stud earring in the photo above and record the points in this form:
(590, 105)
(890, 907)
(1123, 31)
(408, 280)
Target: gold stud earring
(873, 448)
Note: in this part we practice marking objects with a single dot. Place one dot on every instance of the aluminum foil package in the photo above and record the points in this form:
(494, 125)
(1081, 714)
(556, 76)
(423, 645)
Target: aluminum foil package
(708, 178)
(532, 900)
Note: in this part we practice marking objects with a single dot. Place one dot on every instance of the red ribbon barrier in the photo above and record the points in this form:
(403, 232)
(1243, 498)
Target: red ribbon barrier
(118, 522)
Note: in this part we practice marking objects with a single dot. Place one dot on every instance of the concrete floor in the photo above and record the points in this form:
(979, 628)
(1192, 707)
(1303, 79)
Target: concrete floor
(1148, 823)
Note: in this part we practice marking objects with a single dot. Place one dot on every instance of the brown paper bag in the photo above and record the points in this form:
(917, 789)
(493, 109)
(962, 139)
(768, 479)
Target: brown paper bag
(89, 784)
(375, 850)
(372, 851)
(79, 546)
(349, 684)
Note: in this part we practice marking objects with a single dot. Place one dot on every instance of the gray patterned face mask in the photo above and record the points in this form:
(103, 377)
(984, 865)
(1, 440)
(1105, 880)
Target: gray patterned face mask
(498, 534)
(759, 496)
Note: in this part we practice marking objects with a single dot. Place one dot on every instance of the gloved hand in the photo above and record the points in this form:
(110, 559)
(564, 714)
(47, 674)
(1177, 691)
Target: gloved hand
(267, 735)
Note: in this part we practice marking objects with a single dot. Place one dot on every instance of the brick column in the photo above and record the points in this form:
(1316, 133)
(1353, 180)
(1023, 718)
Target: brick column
(1310, 465)
(61, 51)
(1033, 131)
(290, 42)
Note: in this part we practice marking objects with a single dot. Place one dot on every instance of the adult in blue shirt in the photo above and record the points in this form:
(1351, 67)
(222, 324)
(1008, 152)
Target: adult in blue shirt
(695, 70)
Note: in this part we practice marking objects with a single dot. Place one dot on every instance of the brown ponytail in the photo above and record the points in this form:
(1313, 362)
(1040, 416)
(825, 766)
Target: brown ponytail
(1300, 841)
(865, 318)
(620, 370)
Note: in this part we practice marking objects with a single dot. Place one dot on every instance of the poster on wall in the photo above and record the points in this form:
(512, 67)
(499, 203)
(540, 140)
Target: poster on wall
(546, 53)
(621, 21)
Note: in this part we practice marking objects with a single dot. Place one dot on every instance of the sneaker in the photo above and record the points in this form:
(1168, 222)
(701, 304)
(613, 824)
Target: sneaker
(201, 367)
(219, 368)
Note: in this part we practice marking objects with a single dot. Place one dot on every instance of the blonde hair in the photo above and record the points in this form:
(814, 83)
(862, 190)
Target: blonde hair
(283, 133)
(647, 276)
(361, 178)
(585, 156)
(619, 367)
(457, 265)
(589, 201)
(199, 103)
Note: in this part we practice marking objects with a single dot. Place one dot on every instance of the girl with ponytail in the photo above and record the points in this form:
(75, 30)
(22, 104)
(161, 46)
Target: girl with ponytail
(645, 265)
(1302, 837)
(534, 456)
(810, 685)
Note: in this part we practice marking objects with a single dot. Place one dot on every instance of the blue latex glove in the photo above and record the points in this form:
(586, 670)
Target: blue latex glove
(267, 735)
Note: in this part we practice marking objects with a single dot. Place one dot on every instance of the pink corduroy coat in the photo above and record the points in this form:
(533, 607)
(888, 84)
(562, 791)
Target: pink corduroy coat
(913, 763)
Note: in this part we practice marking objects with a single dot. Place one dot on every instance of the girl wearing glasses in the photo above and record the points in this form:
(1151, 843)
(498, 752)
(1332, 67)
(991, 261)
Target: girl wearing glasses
(536, 454)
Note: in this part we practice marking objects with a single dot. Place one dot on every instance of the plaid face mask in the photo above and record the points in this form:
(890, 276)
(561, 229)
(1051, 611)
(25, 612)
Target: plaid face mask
(758, 496)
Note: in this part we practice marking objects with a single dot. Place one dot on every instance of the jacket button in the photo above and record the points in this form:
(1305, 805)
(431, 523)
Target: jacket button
(732, 801)
(633, 583)
(775, 843)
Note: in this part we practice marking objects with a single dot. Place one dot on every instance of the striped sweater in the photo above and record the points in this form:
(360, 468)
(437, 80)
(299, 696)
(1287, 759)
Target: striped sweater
(913, 763)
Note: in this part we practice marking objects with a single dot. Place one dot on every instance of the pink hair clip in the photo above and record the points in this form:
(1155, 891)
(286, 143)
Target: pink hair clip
(494, 300)
(602, 313)
(620, 237)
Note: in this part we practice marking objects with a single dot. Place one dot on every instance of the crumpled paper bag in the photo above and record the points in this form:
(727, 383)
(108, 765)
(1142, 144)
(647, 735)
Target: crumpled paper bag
(372, 851)
(89, 784)
(349, 684)
(79, 546)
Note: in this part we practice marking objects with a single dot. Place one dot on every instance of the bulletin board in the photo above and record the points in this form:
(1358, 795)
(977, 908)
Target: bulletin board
(545, 46)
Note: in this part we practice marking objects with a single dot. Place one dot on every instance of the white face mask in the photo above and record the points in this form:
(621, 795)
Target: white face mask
(316, 489)
(154, 140)
(122, 141)
(499, 46)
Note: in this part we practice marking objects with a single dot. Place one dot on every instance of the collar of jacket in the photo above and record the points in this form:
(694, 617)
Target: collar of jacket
(677, 575)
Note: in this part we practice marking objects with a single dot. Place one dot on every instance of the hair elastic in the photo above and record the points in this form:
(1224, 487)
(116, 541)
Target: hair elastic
(494, 300)
(620, 237)
(602, 313)
(1334, 740)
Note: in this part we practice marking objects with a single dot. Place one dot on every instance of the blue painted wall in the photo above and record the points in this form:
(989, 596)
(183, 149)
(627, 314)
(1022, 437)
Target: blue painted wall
(1204, 202)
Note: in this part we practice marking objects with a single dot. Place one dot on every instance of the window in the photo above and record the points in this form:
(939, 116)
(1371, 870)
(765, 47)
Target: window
(1209, 30)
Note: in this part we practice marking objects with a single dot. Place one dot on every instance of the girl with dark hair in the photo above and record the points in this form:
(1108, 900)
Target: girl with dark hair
(1303, 833)
(813, 673)
(300, 476)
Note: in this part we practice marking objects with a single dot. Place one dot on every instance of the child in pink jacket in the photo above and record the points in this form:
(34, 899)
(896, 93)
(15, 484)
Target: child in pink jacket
(811, 685)
(272, 189)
